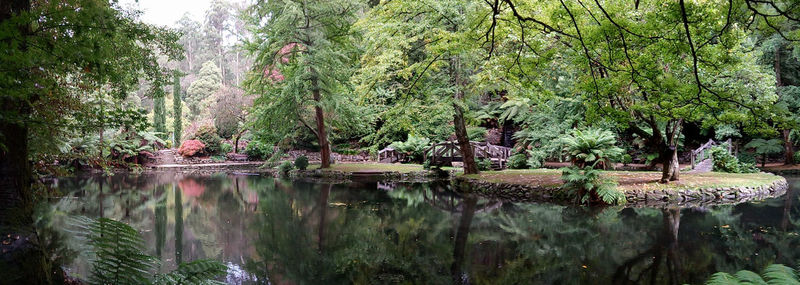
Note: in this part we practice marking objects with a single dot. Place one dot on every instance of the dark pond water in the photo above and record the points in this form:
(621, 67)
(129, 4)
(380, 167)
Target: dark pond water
(282, 232)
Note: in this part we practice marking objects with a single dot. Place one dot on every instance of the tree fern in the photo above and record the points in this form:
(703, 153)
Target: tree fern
(119, 257)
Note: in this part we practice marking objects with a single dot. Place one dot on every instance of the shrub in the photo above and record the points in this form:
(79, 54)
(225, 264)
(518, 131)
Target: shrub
(746, 157)
(208, 135)
(191, 148)
(797, 157)
(518, 161)
(226, 148)
(725, 162)
(591, 147)
(588, 186)
(483, 164)
(536, 158)
(285, 167)
(301, 162)
(427, 164)
(258, 150)
(414, 147)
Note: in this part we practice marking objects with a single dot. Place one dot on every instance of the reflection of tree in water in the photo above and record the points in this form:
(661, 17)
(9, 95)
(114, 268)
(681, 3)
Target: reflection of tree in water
(663, 254)
(315, 234)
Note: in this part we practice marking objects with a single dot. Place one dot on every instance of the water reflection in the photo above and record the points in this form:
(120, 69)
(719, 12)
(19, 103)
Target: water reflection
(282, 232)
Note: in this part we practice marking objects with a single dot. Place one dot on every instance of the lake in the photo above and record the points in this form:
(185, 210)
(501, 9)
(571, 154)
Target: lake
(277, 231)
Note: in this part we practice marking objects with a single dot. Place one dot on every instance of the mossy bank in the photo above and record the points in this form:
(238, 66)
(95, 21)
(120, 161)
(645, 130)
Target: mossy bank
(639, 188)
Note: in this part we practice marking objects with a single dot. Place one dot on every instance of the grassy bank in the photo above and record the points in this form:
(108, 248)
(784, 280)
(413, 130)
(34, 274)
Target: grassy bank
(631, 180)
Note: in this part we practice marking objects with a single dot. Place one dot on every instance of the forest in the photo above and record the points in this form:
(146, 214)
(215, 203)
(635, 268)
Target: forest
(614, 94)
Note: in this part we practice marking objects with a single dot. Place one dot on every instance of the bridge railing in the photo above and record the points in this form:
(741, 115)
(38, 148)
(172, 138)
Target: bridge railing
(704, 151)
(450, 150)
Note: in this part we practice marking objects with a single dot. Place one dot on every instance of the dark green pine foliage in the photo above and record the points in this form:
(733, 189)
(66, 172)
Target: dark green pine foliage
(177, 106)
(159, 115)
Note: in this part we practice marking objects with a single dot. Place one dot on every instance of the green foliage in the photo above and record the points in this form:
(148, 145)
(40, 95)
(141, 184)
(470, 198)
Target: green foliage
(258, 150)
(765, 148)
(225, 148)
(159, 114)
(201, 91)
(592, 147)
(483, 164)
(797, 157)
(177, 108)
(119, 259)
(773, 274)
(414, 147)
(208, 135)
(746, 157)
(285, 167)
(536, 158)
(724, 161)
(588, 186)
(301, 162)
(518, 161)
(427, 164)
(477, 134)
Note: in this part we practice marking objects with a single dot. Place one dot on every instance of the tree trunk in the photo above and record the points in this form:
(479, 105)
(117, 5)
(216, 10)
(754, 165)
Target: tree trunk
(467, 153)
(322, 135)
(788, 148)
(669, 153)
(462, 233)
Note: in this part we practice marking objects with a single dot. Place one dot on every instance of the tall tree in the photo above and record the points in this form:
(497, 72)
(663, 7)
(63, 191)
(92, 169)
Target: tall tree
(159, 114)
(57, 51)
(200, 93)
(646, 66)
(177, 108)
(418, 49)
(303, 51)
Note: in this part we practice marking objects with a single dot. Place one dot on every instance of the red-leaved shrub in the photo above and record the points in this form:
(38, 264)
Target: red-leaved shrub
(191, 148)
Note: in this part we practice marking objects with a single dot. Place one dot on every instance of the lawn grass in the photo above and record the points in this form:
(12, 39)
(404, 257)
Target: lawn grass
(631, 180)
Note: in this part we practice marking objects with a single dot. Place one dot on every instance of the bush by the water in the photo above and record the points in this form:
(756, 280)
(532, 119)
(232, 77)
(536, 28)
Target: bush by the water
(518, 161)
(483, 164)
(226, 148)
(301, 162)
(592, 147)
(588, 186)
(191, 148)
(725, 162)
(285, 167)
(208, 135)
(258, 150)
(414, 147)
(746, 157)
(536, 158)
(797, 157)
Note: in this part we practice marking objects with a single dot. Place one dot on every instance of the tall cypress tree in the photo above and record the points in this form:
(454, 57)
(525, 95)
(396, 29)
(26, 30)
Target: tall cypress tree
(177, 107)
(159, 116)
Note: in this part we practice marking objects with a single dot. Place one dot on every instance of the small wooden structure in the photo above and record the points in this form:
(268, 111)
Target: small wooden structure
(390, 155)
(448, 152)
(703, 152)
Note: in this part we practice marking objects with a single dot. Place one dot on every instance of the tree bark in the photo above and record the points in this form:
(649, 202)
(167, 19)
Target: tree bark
(788, 148)
(467, 153)
(322, 135)
(669, 155)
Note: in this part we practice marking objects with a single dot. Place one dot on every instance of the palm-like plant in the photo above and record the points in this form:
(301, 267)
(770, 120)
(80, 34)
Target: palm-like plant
(119, 257)
(773, 274)
(765, 147)
(591, 147)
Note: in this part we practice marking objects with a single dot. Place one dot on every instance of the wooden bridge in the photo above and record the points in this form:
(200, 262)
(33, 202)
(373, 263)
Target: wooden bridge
(446, 153)
(701, 157)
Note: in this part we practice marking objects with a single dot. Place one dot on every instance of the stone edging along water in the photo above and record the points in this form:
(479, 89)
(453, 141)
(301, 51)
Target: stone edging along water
(670, 197)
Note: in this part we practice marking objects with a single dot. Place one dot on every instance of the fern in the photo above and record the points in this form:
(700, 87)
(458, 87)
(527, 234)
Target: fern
(202, 271)
(118, 254)
(119, 257)
(773, 274)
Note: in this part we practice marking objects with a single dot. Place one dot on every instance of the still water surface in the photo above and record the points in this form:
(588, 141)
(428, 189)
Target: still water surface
(283, 232)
